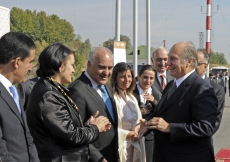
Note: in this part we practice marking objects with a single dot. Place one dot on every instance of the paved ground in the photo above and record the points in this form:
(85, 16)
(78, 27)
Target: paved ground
(222, 137)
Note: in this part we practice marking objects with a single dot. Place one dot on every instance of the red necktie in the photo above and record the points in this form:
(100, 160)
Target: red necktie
(162, 81)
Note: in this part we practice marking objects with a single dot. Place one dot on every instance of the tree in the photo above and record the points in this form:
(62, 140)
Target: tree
(109, 42)
(217, 58)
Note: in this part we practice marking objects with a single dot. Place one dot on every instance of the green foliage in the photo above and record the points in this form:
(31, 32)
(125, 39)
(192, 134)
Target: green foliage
(41, 27)
(45, 29)
(217, 58)
(109, 42)
(81, 55)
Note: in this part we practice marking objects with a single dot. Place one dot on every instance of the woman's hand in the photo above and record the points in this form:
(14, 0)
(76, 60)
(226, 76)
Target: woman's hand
(132, 136)
(149, 97)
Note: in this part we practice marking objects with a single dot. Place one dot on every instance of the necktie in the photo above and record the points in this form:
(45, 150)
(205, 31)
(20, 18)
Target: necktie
(172, 89)
(106, 100)
(224, 81)
(14, 91)
(162, 81)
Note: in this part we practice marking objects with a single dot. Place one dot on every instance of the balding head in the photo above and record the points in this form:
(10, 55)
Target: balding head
(159, 59)
(182, 59)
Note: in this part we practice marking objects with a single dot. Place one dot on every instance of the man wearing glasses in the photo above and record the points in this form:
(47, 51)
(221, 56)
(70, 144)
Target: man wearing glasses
(203, 60)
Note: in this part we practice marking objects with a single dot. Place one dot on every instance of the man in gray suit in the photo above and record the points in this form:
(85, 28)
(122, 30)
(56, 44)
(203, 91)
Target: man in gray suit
(17, 52)
(159, 59)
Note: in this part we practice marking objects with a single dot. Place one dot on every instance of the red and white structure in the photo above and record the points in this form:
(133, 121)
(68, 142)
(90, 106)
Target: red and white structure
(4, 20)
(208, 26)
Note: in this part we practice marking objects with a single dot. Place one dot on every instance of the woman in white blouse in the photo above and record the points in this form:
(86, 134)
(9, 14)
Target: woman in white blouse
(131, 149)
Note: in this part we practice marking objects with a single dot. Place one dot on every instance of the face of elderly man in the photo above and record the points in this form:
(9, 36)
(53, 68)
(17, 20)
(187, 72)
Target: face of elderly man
(101, 68)
(177, 66)
(159, 60)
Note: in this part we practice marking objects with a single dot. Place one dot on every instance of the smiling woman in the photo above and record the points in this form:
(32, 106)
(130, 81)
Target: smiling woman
(54, 120)
(131, 148)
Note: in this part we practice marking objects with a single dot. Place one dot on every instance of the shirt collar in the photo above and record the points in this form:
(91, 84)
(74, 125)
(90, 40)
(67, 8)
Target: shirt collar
(149, 91)
(6, 83)
(94, 84)
(159, 74)
(180, 80)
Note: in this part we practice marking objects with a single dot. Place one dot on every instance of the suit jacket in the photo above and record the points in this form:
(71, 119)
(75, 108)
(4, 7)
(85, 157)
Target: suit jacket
(16, 142)
(192, 113)
(157, 89)
(218, 81)
(56, 126)
(220, 94)
(89, 101)
(149, 138)
(24, 90)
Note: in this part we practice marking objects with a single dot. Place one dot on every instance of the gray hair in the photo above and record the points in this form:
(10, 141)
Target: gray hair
(93, 51)
(190, 52)
(205, 54)
(159, 48)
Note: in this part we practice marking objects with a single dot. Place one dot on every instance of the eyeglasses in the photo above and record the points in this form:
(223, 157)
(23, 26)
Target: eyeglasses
(199, 63)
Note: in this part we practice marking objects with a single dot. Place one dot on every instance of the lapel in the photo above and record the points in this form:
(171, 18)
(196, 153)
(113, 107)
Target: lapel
(111, 96)
(157, 84)
(137, 95)
(10, 101)
(93, 92)
(178, 93)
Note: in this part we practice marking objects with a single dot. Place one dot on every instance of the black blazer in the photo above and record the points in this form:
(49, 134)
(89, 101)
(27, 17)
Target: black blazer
(192, 113)
(157, 89)
(220, 94)
(88, 102)
(56, 126)
(16, 142)
(24, 90)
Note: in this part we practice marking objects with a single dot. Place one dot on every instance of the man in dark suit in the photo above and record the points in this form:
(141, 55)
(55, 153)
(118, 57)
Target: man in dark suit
(159, 59)
(87, 94)
(17, 52)
(203, 60)
(185, 117)
(24, 90)
(224, 80)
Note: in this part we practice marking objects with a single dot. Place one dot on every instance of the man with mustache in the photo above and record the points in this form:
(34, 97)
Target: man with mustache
(91, 93)
(159, 59)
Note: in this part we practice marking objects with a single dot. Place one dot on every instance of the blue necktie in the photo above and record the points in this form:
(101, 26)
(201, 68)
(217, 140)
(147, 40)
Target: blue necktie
(14, 91)
(106, 100)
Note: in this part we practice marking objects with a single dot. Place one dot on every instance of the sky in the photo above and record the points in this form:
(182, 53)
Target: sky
(171, 20)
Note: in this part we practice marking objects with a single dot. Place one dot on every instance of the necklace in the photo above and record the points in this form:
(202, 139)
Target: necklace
(65, 95)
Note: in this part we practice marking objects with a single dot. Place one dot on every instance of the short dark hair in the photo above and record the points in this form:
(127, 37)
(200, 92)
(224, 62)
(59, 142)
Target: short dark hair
(13, 45)
(210, 74)
(146, 67)
(51, 59)
(121, 67)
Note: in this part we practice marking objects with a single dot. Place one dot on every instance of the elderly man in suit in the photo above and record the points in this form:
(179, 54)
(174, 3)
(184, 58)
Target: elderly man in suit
(17, 52)
(24, 90)
(203, 60)
(91, 93)
(184, 120)
(159, 59)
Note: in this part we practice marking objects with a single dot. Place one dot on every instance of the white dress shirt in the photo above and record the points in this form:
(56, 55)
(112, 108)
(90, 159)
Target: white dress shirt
(141, 94)
(6, 83)
(159, 77)
(94, 84)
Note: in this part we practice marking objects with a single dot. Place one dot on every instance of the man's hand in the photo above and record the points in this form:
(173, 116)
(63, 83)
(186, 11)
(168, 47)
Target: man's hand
(158, 123)
(101, 122)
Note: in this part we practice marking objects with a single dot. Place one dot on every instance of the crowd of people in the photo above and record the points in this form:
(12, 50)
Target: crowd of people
(168, 113)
